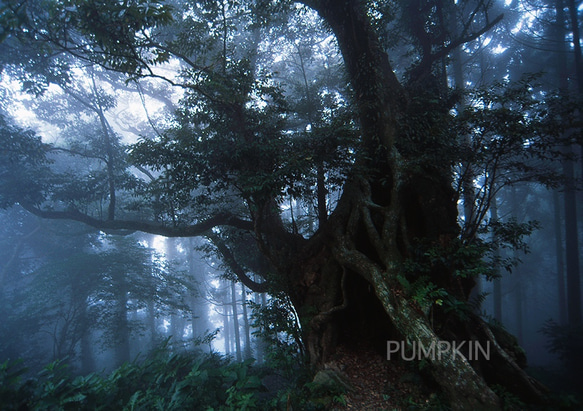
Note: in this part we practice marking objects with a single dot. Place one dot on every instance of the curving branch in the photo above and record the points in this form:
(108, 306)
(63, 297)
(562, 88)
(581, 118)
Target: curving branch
(236, 268)
(193, 230)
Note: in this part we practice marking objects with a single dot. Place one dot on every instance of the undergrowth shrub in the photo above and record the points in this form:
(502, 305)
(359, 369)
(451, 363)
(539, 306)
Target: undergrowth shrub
(163, 381)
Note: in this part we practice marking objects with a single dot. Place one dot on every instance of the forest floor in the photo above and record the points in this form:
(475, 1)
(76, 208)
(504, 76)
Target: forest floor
(379, 384)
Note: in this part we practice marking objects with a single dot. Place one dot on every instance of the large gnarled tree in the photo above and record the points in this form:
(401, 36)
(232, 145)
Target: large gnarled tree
(370, 256)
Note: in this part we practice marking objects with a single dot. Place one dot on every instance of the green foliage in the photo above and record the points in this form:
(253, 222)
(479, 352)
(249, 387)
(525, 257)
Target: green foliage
(510, 132)
(164, 381)
(111, 28)
(469, 259)
(423, 291)
(459, 308)
(466, 259)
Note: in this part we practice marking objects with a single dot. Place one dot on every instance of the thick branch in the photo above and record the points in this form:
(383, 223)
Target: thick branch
(198, 229)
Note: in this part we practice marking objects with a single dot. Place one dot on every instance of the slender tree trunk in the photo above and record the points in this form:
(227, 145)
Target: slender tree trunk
(151, 324)
(572, 244)
(467, 183)
(560, 260)
(227, 328)
(86, 353)
(177, 329)
(468, 190)
(260, 346)
(87, 362)
(519, 305)
(198, 305)
(248, 351)
(321, 196)
(79, 294)
(237, 335)
(122, 329)
(9, 264)
(320, 174)
(497, 292)
(517, 274)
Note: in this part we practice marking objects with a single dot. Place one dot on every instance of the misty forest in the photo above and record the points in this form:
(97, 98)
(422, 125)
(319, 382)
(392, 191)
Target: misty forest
(258, 204)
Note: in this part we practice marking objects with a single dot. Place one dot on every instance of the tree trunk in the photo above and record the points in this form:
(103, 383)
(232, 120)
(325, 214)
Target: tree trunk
(236, 330)
(177, 329)
(122, 329)
(198, 305)
(383, 215)
(497, 292)
(570, 200)
(87, 362)
(151, 324)
(560, 259)
(248, 351)
(227, 328)
(260, 346)
(519, 285)
(571, 244)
